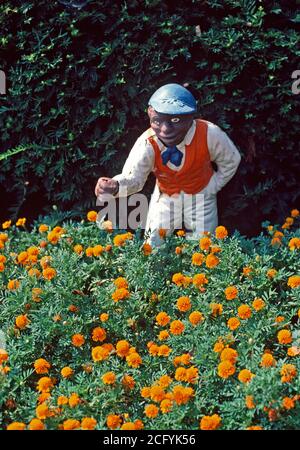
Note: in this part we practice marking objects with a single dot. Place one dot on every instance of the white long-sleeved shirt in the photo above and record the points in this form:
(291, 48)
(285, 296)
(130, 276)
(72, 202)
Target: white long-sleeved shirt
(141, 160)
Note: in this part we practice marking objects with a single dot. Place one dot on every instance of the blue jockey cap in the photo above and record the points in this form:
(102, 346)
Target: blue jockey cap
(173, 99)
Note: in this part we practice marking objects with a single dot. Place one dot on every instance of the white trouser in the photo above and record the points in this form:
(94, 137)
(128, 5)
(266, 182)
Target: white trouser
(197, 213)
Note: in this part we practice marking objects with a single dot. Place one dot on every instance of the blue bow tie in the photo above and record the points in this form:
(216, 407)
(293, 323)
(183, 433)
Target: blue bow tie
(172, 154)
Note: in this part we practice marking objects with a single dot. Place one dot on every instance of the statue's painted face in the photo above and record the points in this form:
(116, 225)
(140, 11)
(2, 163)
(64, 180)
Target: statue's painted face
(170, 129)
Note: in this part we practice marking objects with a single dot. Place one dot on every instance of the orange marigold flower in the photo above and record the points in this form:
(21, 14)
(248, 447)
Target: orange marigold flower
(43, 397)
(41, 366)
(249, 402)
(254, 427)
(78, 340)
(295, 213)
(45, 384)
(128, 426)
(229, 354)
(147, 249)
(166, 405)
(231, 292)
(122, 348)
(104, 317)
(233, 323)
(221, 232)
(288, 403)
(49, 273)
(100, 353)
(177, 327)
(162, 233)
(3, 355)
(210, 422)
(120, 239)
(178, 250)
(178, 279)
(98, 334)
(98, 250)
(134, 360)
(164, 350)
(218, 347)
(121, 282)
(157, 393)
(216, 309)
(43, 228)
(66, 372)
(294, 243)
(247, 271)
(13, 285)
(71, 424)
(182, 394)
(212, 261)
(88, 423)
(294, 281)
(22, 258)
(205, 243)
(109, 378)
(226, 369)
(284, 337)
(196, 317)
(6, 224)
(267, 360)
(128, 381)
(36, 424)
(42, 411)
(164, 381)
(197, 259)
(21, 222)
(138, 424)
(120, 294)
(74, 400)
(151, 411)
(288, 372)
(2, 259)
(245, 376)
(258, 304)
(22, 321)
(92, 216)
(271, 273)
(180, 374)
(183, 304)
(3, 237)
(199, 279)
(192, 374)
(293, 351)
(89, 251)
(163, 335)
(244, 312)
(146, 392)
(16, 426)
(162, 319)
(180, 233)
(62, 400)
(78, 249)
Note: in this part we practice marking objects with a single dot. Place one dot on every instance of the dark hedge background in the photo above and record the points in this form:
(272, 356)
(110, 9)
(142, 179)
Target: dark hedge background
(79, 82)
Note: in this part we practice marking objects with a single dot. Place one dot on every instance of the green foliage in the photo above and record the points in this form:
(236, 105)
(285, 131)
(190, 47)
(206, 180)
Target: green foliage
(73, 300)
(79, 82)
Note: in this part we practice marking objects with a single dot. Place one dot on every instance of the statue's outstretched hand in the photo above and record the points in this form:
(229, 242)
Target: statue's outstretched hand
(106, 186)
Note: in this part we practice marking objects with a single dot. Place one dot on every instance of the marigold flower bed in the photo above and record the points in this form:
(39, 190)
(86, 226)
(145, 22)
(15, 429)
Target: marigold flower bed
(99, 331)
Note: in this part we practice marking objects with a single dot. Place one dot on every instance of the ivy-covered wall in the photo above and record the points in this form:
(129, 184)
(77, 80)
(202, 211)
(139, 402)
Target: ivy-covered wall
(78, 82)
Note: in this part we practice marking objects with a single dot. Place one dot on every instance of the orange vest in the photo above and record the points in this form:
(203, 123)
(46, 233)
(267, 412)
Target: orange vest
(196, 170)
